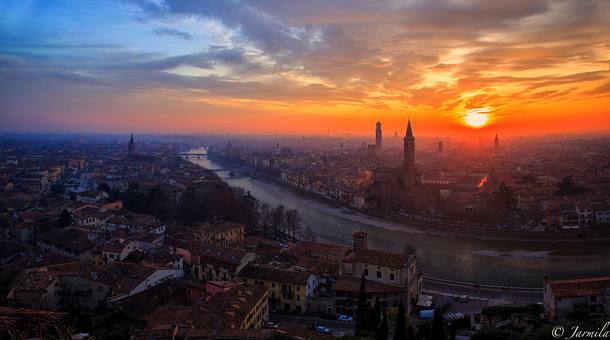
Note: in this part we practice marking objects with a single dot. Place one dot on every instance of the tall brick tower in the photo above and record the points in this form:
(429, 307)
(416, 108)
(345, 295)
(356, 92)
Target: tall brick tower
(378, 138)
(496, 143)
(131, 150)
(409, 159)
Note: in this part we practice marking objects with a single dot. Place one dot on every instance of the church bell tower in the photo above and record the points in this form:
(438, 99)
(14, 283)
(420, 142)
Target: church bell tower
(378, 139)
(409, 158)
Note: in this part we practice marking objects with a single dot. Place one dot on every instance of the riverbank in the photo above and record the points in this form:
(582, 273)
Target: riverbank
(421, 227)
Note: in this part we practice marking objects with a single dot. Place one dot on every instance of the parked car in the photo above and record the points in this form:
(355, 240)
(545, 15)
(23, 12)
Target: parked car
(295, 312)
(465, 298)
(272, 325)
(323, 329)
(310, 327)
(345, 318)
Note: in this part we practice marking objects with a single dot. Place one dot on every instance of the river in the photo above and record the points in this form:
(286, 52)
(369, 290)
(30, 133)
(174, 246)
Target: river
(494, 262)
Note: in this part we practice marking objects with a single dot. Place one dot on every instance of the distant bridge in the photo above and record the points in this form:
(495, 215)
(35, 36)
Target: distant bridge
(198, 155)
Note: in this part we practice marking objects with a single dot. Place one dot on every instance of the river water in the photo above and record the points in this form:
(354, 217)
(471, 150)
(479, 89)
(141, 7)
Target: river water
(494, 262)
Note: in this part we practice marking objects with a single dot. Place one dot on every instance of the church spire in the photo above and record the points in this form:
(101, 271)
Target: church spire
(409, 131)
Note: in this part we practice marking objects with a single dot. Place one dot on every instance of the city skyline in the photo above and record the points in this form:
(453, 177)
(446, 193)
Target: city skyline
(459, 68)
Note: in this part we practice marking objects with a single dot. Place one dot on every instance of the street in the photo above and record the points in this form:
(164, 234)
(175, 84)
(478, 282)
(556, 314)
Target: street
(480, 292)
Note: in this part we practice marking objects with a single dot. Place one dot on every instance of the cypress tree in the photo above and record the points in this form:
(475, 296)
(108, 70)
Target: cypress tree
(377, 311)
(383, 330)
(438, 325)
(361, 313)
(410, 332)
(401, 327)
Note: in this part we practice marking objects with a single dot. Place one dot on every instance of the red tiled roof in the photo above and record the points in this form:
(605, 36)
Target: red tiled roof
(380, 258)
(29, 319)
(349, 283)
(577, 288)
(36, 281)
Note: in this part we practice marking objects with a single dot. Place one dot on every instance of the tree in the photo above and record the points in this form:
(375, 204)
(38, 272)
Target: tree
(293, 221)
(410, 332)
(104, 187)
(376, 313)
(401, 326)
(65, 219)
(423, 330)
(308, 235)
(383, 329)
(266, 216)
(568, 187)
(438, 325)
(361, 313)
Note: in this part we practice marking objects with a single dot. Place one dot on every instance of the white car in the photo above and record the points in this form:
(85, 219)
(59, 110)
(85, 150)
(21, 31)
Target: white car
(345, 318)
(323, 329)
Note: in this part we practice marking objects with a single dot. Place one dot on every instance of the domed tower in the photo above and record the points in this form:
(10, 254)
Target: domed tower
(409, 158)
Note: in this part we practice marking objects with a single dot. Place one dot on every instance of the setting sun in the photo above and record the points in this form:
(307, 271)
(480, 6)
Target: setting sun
(476, 118)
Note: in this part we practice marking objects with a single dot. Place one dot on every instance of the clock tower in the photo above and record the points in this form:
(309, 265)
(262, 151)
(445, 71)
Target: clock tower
(409, 158)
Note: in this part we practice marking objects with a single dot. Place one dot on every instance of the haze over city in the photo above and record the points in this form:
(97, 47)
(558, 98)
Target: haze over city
(460, 68)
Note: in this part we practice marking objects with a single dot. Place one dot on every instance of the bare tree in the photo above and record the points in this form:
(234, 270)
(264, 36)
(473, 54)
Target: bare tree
(293, 221)
(308, 235)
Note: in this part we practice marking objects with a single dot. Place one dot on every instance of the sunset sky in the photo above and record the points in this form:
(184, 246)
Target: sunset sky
(463, 67)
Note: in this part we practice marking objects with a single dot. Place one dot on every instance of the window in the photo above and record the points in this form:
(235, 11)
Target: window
(298, 288)
(392, 277)
(378, 275)
(84, 302)
(200, 295)
(366, 273)
(273, 284)
(298, 297)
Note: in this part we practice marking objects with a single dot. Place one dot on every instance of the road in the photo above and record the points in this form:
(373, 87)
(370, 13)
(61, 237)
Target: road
(335, 326)
(442, 292)
(443, 287)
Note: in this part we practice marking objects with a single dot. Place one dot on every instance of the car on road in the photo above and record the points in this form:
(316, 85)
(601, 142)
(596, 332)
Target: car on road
(345, 318)
(465, 298)
(272, 325)
(323, 329)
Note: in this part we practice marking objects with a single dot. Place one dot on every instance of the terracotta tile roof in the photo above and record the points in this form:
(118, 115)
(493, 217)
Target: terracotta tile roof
(187, 317)
(36, 260)
(201, 334)
(296, 332)
(157, 255)
(235, 303)
(28, 320)
(219, 227)
(70, 238)
(36, 281)
(254, 271)
(577, 288)
(150, 299)
(224, 254)
(380, 258)
(349, 283)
